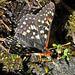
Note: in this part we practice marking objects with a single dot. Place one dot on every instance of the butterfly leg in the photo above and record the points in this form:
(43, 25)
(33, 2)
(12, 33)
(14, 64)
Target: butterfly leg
(46, 61)
(46, 65)
(45, 54)
(40, 58)
(5, 25)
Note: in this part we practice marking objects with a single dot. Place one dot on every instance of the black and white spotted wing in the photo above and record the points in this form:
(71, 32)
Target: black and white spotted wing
(33, 30)
(13, 44)
(27, 31)
(44, 21)
(16, 47)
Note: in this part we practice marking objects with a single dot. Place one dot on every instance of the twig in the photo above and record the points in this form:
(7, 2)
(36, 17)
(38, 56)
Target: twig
(3, 47)
(5, 25)
(39, 3)
(68, 8)
(61, 45)
(2, 39)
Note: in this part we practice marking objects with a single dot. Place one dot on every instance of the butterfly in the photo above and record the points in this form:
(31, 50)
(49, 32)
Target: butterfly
(33, 31)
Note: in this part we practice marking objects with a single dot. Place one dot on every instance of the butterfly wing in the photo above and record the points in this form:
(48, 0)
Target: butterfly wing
(27, 31)
(15, 47)
(44, 20)
(33, 30)
(13, 44)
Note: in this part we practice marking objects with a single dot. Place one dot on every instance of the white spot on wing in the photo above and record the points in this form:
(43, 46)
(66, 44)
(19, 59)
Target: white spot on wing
(24, 33)
(47, 23)
(50, 11)
(26, 18)
(52, 14)
(41, 15)
(29, 27)
(46, 28)
(32, 37)
(18, 45)
(46, 14)
(50, 20)
(40, 25)
(42, 31)
(21, 26)
(34, 33)
(45, 36)
(24, 22)
(42, 21)
(29, 17)
(37, 37)
(24, 46)
(39, 20)
(33, 27)
(28, 31)
(46, 11)
(34, 18)
(44, 18)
